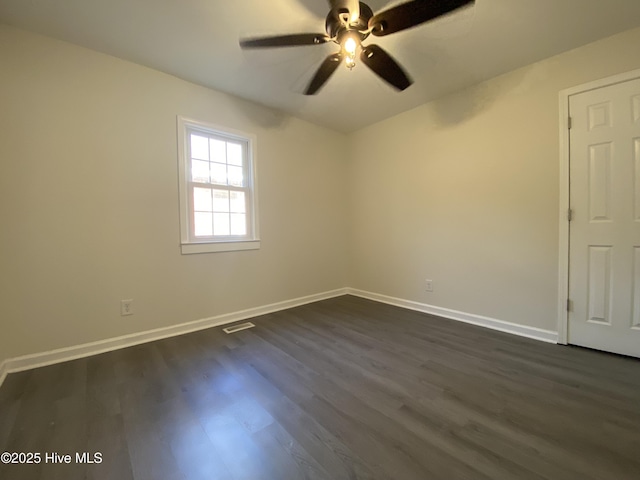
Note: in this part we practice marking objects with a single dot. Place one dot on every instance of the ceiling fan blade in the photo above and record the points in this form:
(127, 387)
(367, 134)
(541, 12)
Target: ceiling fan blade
(323, 73)
(351, 6)
(294, 40)
(385, 66)
(410, 14)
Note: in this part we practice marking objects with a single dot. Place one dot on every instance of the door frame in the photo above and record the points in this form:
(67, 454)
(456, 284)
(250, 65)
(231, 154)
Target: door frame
(564, 198)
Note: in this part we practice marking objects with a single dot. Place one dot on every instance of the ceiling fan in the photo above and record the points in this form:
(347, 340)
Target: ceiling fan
(348, 23)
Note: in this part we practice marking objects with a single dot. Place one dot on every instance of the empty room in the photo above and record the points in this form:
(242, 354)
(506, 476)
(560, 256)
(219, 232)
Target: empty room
(319, 239)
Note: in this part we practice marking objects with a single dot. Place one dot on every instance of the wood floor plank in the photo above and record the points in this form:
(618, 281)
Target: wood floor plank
(394, 406)
(340, 389)
(323, 446)
(377, 434)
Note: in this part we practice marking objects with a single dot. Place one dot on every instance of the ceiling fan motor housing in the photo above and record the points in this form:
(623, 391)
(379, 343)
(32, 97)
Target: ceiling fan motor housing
(337, 22)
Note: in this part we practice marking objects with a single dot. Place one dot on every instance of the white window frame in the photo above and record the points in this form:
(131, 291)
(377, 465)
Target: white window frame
(188, 242)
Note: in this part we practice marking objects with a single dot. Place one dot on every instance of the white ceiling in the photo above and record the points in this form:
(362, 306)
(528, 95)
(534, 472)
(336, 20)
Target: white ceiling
(197, 40)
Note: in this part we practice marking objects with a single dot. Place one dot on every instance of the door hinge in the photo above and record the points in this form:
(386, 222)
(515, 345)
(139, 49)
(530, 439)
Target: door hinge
(569, 123)
(569, 305)
(569, 215)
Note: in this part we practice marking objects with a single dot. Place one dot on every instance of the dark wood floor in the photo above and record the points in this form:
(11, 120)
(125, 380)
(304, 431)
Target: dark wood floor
(340, 389)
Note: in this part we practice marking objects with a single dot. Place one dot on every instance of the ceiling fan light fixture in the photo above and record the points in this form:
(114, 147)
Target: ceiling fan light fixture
(350, 62)
(350, 44)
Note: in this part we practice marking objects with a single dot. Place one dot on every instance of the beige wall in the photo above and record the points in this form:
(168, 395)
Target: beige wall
(89, 201)
(464, 191)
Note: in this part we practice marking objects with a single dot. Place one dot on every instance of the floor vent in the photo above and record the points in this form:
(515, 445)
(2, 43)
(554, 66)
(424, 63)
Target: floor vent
(237, 328)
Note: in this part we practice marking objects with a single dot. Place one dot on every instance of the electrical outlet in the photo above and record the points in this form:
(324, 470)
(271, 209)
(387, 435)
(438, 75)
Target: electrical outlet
(428, 286)
(126, 307)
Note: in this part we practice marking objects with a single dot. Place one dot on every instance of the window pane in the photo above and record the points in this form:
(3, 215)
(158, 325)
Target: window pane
(221, 201)
(219, 173)
(238, 224)
(218, 151)
(221, 223)
(216, 192)
(236, 177)
(238, 204)
(203, 224)
(199, 147)
(234, 154)
(199, 171)
(202, 200)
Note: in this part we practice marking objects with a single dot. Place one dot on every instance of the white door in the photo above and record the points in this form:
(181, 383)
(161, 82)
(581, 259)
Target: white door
(604, 238)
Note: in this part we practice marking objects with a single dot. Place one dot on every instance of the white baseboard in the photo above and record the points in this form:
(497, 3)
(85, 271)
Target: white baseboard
(27, 362)
(3, 371)
(548, 336)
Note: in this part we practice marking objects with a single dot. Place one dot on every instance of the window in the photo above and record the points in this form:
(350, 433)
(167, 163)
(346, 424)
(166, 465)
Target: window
(217, 188)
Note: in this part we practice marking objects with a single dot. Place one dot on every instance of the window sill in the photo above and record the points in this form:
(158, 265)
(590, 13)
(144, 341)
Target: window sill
(211, 247)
